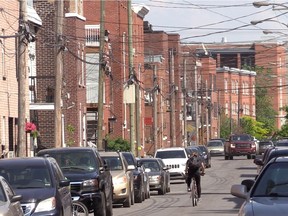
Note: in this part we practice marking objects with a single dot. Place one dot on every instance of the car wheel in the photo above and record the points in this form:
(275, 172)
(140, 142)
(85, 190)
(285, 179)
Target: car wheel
(100, 206)
(226, 157)
(109, 210)
(162, 190)
(248, 156)
(127, 202)
(132, 196)
(138, 196)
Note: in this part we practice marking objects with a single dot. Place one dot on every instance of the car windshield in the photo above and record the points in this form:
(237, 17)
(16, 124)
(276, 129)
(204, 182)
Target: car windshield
(273, 182)
(27, 177)
(170, 154)
(76, 160)
(114, 163)
(282, 143)
(214, 144)
(129, 159)
(241, 138)
(152, 165)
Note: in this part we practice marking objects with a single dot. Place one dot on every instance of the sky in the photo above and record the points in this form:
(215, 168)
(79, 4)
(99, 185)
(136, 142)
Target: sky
(212, 21)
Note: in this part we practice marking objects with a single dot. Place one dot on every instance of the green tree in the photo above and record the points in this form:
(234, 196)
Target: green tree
(254, 127)
(283, 132)
(265, 112)
(118, 144)
(226, 123)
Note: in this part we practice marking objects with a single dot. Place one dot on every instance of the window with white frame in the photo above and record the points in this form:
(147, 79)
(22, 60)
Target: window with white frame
(237, 87)
(2, 47)
(253, 89)
(226, 85)
(243, 88)
(280, 93)
(226, 108)
(254, 110)
(233, 87)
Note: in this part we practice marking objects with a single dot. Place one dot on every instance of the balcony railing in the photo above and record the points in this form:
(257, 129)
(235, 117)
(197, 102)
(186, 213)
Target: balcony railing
(41, 89)
(92, 34)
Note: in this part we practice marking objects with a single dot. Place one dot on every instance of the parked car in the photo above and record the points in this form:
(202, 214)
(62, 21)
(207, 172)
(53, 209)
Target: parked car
(9, 201)
(40, 181)
(215, 147)
(268, 194)
(89, 178)
(272, 153)
(138, 173)
(175, 159)
(146, 179)
(263, 145)
(282, 143)
(156, 174)
(167, 175)
(206, 155)
(191, 149)
(123, 179)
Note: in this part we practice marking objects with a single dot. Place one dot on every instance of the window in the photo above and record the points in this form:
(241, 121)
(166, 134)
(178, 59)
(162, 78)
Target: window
(2, 47)
(226, 108)
(226, 85)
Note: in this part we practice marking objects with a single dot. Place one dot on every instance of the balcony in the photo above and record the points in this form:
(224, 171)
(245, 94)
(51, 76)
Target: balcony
(41, 92)
(92, 34)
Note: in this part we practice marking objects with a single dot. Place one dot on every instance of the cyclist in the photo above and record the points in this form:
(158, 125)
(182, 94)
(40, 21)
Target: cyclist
(194, 168)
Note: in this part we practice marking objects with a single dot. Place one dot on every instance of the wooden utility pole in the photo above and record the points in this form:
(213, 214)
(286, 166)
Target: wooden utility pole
(138, 107)
(196, 104)
(101, 78)
(58, 74)
(184, 103)
(22, 76)
(155, 109)
(131, 73)
(172, 100)
(207, 114)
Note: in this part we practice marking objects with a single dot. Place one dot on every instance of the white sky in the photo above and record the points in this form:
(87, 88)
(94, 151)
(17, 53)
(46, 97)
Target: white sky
(200, 20)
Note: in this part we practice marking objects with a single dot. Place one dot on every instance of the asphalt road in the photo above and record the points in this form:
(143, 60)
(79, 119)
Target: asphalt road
(216, 197)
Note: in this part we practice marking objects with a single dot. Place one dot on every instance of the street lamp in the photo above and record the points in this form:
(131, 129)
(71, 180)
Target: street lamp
(255, 22)
(265, 3)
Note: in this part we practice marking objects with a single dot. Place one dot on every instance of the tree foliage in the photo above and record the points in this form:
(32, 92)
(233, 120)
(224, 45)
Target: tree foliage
(254, 127)
(118, 144)
(265, 112)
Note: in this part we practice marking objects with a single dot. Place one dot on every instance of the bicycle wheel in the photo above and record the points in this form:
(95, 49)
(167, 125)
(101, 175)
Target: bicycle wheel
(79, 209)
(194, 194)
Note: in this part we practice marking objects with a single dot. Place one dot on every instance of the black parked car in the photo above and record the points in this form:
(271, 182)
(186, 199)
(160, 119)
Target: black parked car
(41, 183)
(90, 179)
(138, 174)
(156, 174)
(206, 155)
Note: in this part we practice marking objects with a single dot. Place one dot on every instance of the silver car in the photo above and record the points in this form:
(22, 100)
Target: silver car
(9, 201)
(268, 194)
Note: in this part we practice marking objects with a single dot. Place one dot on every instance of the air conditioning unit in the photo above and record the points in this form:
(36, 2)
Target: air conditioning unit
(11, 154)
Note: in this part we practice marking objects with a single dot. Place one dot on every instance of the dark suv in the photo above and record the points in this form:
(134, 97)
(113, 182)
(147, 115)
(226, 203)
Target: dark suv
(138, 174)
(40, 181)
(90, 179)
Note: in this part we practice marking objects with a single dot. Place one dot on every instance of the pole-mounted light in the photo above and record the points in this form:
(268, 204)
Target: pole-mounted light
(261, 3)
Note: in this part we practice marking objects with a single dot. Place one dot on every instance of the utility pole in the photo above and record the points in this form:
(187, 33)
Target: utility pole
(172, 99)
(207, 114)
(155, 109)
(196, 104)
(22, 76)
(184, 103)
(230, 111)
(101, 78)
(58, 75)
(131, 73)
(218, 115)
(138, 107)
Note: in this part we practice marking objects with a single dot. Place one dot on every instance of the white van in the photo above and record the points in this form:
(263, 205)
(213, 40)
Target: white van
(175, 159)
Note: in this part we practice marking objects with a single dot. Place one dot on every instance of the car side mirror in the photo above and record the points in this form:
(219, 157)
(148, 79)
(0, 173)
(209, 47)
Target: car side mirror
(130, 167)
(17, 198)
(64, 183)
(258, 162)
(248, 183)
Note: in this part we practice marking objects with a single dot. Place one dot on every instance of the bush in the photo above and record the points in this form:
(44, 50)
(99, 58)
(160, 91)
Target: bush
(118, 144)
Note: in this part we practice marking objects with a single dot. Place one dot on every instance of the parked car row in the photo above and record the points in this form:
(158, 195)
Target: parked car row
(48, 183)
(267, 194)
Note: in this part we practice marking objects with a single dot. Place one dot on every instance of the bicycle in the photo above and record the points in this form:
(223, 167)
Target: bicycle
(79, 208)
(194, 192)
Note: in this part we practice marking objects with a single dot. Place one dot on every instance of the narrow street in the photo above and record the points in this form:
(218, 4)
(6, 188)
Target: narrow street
(216, 197)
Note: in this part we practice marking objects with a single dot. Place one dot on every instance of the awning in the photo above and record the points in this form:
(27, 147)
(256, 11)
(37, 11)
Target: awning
(33, 16)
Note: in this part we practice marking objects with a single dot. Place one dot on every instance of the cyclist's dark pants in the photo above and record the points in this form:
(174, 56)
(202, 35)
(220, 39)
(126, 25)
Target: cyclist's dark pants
(198, 180)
